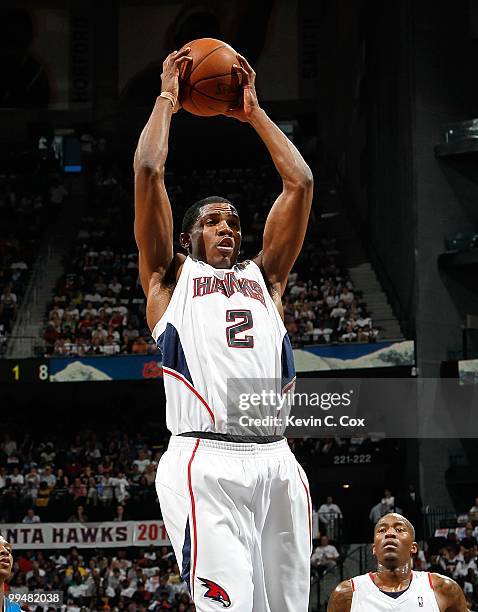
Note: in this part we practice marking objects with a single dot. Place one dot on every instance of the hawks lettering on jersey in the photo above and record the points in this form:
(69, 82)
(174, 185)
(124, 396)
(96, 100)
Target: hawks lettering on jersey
(205, 285)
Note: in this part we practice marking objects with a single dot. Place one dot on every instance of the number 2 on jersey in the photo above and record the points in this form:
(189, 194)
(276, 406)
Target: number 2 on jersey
(245, 323)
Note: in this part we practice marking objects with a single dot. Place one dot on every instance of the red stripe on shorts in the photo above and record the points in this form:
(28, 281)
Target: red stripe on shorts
(193, 513)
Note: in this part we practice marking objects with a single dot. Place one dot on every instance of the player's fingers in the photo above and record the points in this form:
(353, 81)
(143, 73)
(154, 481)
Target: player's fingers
(240, 70)
(182, 52)
(182, 60)
(169, 57)
(245, 64)
(175, 55)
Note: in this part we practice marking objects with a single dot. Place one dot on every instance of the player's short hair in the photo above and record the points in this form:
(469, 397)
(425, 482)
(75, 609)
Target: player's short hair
(193, 212)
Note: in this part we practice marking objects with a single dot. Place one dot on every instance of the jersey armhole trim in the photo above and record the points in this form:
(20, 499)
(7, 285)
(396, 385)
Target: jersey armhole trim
(430, 581)
(161, 323)
(352, 584)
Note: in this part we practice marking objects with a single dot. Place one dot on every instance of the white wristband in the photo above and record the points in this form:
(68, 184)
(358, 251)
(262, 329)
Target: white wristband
(169, 96)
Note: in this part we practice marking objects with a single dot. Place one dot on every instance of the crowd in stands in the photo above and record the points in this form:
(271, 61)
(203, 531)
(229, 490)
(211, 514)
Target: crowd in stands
(90, 579)
(453, 552)
(99, 306)
(28, 192)
(79, 477)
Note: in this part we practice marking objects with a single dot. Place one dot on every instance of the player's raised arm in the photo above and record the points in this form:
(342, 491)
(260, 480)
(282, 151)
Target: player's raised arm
(341, 598)
(153, 223)
(287, 221)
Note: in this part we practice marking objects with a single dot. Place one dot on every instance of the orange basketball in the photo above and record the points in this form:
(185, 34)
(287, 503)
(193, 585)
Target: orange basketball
(209, 85)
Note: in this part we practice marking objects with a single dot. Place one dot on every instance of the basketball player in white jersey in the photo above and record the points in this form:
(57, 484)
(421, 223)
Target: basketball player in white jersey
(395, 585)
(236, 507)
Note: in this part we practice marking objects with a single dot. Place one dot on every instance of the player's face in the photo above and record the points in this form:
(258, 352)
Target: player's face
(6, 559)
(393, 542)
(216, 235)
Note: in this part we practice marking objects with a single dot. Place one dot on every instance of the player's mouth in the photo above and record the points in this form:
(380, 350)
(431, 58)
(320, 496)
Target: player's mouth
(5, 562)
(390, 544)
(226, 246)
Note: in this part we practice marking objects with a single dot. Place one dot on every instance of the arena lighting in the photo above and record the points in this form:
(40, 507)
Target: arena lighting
(346, 486)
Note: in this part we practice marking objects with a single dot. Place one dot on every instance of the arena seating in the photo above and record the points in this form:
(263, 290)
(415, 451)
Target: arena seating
(113, 579)
(29, 186)
(99, 306)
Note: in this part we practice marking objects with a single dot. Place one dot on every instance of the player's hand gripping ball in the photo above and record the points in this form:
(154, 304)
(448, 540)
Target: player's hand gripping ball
(170, 75)
(211, 83)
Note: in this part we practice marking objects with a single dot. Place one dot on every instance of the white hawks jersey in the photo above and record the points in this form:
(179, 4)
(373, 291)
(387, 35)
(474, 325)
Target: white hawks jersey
(367, 597)
(220, 325)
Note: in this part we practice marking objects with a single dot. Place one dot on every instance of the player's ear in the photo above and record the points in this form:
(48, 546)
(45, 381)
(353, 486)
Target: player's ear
(185, 241)
(414, 548)
(373, 549)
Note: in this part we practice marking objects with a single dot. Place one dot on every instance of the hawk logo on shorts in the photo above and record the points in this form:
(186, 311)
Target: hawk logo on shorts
(216, 592)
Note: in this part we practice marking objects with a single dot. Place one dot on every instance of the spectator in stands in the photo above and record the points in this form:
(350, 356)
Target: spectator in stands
(411, 505)
(468, 563)
(130, 334)
(469, 541)
(140, 346)
(388, 500)
(79, 491)
(325, 556)
(386, 505)
(142, 461)
(329, 516)
(120, 514)
(17, 479)
(8, 307)
(78, 515)
(473, 511)
(348, 335)
(77, 588)
(43, 496)
(30, 517)
(58, 194)
(32, 482)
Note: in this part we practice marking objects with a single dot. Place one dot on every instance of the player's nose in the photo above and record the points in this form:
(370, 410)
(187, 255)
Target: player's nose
(223, 229)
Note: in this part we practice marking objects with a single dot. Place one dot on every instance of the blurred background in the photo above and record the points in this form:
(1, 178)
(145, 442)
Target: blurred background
(381, 99)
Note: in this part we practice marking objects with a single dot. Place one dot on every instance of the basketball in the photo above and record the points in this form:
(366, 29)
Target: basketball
(209, 84)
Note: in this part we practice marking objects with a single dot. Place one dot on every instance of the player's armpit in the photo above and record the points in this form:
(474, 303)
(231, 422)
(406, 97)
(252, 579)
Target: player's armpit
(160, 290)
(449, 595)
(341, 598)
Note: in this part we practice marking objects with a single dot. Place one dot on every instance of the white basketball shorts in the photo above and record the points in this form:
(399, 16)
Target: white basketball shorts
(239, 519)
